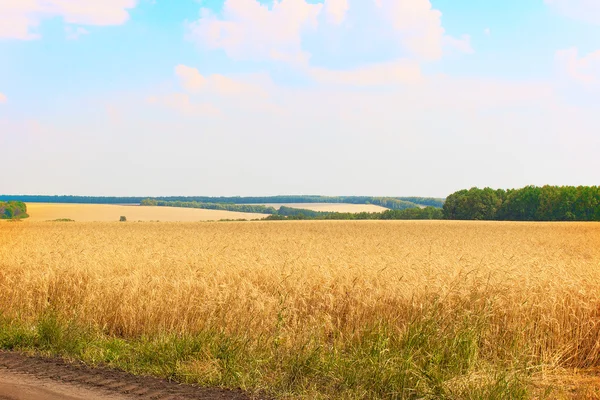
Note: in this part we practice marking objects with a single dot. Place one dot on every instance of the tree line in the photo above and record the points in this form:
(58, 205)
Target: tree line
(288, 213)
(531, 203)
(13, 210)
(396, 203)
(245, 208)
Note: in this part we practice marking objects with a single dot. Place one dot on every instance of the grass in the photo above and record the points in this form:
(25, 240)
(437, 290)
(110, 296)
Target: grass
(325, 310)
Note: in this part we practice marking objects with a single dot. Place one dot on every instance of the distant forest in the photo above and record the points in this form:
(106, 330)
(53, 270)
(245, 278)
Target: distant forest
(288, 213)
(531, 203)
(395, 203)
(245, 208)
(13, 210)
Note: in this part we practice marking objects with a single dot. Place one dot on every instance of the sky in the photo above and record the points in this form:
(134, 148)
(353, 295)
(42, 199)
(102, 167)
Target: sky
(333, 97)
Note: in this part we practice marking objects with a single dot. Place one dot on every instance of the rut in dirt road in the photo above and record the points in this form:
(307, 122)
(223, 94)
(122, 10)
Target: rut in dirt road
(54, 377)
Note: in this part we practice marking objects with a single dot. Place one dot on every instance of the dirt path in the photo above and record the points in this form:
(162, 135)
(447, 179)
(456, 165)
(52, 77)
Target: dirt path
(22, 387)
(35, 378)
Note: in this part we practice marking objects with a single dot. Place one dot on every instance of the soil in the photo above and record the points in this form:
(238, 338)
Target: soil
(25, 377)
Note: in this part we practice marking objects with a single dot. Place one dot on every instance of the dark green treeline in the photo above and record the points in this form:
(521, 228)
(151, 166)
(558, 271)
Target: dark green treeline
(288, 213)
(531, 203)
(246, 208)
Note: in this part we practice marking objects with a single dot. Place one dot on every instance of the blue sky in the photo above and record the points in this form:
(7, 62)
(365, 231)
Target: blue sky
(341, 97)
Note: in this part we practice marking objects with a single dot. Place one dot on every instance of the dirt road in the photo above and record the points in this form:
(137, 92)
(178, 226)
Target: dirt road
(23, 387)
(35, 378)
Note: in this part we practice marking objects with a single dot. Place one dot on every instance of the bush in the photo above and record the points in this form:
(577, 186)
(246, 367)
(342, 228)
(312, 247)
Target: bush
(123, 219)
(13, 210)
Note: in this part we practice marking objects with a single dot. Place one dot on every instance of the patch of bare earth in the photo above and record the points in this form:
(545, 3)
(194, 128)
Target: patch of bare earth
(35, 378)
(570, 385)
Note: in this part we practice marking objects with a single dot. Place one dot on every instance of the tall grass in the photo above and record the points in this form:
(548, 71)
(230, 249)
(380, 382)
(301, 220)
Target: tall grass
(326, 310)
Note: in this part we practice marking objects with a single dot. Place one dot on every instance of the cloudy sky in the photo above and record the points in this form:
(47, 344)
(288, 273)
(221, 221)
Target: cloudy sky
(335, 97)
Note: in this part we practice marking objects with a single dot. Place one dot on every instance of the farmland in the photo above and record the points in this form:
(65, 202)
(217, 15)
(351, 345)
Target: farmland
(111, 212)
(314, 309)
(330, 207)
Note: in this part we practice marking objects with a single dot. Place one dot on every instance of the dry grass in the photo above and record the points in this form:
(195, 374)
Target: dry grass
(109, 212)
(505, 297)
(330, 207)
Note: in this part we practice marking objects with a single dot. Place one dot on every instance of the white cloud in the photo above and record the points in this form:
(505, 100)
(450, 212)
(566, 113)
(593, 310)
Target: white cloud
(190, 78)
(400, 72)
(3, 98)
(584, 70)
(251, 30)
(419, 28)
(584, 10)
(248, 29)
(418, 25)
(182, 103)
(192, 81)
(336, 10)
(211, 95)
(487, 31)
(19, 17)
(463, 44)
(74, 33)
(362, 94)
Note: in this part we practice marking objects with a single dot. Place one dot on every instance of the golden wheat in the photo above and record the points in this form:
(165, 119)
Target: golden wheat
(330, 207)
(537, 286)
(111, 212)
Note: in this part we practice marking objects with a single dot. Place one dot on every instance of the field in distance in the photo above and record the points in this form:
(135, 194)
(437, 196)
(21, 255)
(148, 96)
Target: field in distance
(329, 207)
(315, 309)
(109, 212)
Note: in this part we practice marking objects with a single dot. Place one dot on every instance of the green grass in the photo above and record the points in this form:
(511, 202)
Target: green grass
(429, 359)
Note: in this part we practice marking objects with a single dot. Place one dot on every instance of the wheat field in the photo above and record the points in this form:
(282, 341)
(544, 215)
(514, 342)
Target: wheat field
(330, 207)
(111, 212)
(319, 309)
